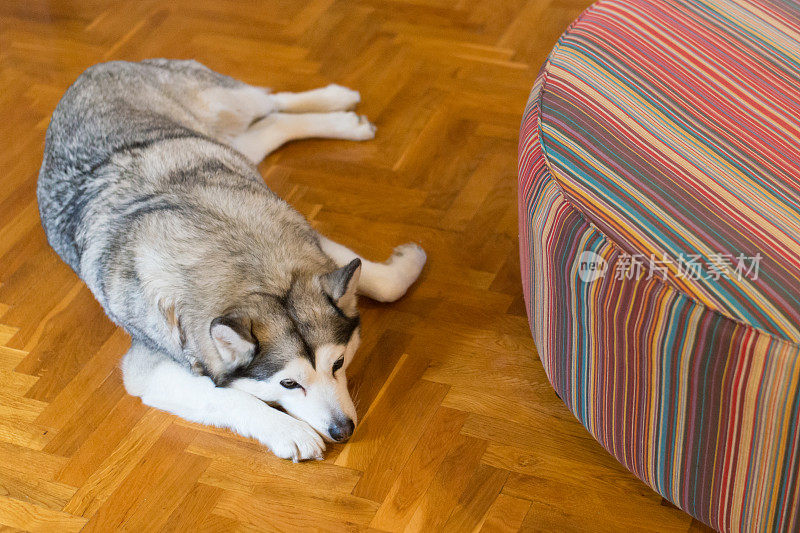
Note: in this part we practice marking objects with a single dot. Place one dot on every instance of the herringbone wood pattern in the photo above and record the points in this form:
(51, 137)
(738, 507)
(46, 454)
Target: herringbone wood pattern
(460, 429)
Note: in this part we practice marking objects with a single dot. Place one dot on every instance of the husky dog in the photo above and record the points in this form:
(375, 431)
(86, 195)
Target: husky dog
(241, 315)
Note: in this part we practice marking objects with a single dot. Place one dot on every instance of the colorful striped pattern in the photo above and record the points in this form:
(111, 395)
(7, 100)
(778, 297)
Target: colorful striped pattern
(673, 128)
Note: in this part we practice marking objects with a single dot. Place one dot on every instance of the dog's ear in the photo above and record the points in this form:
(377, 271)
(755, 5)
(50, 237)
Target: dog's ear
(233, 339)
(341, 284)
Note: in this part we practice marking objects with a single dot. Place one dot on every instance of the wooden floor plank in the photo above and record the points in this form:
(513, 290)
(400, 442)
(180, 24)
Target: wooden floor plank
(506, 514)
(417, 474)
(27, 516)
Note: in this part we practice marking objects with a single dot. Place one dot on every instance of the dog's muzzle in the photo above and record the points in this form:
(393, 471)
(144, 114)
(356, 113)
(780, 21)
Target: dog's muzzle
(341, 429)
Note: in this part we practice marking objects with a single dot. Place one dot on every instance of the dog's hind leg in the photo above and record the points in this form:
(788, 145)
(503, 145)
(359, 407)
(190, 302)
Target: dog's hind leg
(277, 129)
(324, 100)
(230, 111)
(384, 282)
(162, 383)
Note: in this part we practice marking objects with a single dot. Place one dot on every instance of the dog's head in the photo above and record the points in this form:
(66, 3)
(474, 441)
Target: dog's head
(293, 350)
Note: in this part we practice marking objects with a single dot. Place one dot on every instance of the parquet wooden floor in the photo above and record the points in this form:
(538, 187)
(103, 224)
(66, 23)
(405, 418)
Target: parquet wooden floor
(460, 429)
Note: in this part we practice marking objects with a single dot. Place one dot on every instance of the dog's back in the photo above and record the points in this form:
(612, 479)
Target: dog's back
(138, 192)
(112, 108)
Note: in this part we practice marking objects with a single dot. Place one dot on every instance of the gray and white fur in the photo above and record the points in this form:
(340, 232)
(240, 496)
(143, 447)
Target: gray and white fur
(234, 303)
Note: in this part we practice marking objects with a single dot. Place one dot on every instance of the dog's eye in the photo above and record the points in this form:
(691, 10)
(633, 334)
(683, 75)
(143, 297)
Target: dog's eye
(289, 384)
(338, 364)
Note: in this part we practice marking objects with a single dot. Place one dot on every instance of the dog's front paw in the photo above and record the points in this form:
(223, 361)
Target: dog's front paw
(296, 440)
(409, 259)
(398, 273)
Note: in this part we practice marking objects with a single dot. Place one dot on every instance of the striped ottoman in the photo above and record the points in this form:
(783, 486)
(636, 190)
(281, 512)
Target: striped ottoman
(659, 208)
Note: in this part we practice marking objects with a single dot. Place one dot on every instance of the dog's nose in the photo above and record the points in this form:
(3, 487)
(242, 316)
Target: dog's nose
(341, 430)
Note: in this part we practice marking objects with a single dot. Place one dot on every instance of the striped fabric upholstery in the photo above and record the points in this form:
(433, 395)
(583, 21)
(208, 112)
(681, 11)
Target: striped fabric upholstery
(662, 134)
